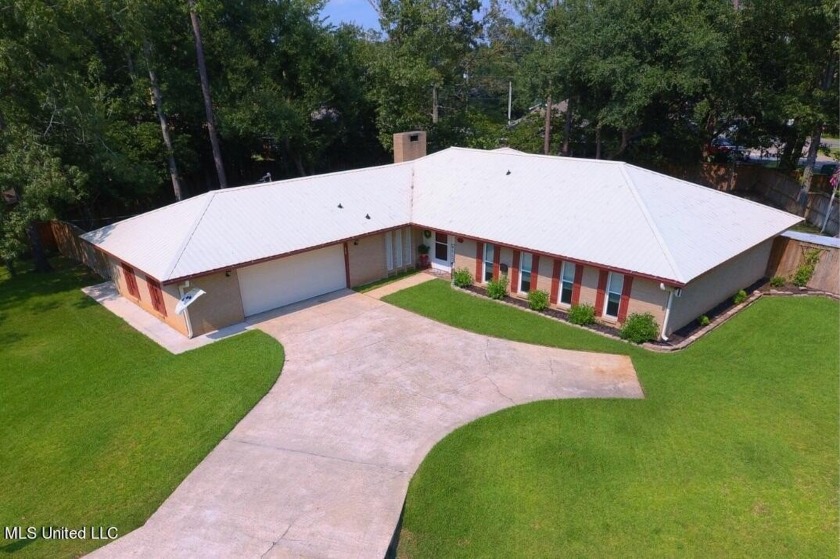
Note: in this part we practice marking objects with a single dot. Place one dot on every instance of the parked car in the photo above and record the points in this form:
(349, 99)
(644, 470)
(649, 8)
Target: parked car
(722, 148)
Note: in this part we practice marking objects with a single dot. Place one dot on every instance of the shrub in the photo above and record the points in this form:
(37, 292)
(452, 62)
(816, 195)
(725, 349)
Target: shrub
(497, 289)
(777, 281)
(582, 314)
(805, 271)
(703, 320)
(423, 248)
(538, 300)
(640, 328)
(462, 278)
(740, 297)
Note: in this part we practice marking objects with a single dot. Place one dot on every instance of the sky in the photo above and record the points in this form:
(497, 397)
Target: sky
(359, 12)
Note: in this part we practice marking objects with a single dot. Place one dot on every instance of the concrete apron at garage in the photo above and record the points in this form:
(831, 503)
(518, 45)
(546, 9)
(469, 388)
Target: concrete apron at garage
(320, 467)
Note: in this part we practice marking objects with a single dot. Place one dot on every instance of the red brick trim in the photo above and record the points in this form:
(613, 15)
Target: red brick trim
(577, 283)
(555, 282)
(479, 262)
(602, 289)
(625, 298)
(514, 272)
(347, 264)
(497, 255)
(535, 271)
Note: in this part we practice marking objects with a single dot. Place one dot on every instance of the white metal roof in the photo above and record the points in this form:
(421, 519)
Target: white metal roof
(605, 212)
(225, 228)
(608, 213)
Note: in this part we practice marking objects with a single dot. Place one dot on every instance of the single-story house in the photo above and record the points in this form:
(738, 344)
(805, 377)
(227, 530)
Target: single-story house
(607, 233)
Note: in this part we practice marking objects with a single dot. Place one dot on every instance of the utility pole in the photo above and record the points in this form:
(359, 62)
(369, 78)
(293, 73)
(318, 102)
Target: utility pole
(510, 99)
(547, 139)
(567, 130)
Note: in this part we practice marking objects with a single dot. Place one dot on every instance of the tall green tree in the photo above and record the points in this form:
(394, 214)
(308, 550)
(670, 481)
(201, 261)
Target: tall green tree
(789, 64)
(421, 71)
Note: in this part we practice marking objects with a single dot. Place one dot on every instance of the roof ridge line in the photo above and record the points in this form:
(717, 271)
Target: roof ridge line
(310, 177)
(180, 252)
(654, 229)
(520, 153)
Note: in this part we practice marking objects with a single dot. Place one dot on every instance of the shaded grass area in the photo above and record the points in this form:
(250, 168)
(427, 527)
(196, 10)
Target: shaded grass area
(384, 281)
(733, 452)
(99, 423)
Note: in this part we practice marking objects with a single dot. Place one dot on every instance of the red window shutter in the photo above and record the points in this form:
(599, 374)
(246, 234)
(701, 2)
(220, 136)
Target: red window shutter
(555, 282)
(497, 254)
(131, 281)
(479, 261)
(577, 283)
(514, 272)
(602, 289)
(625, 298)
(535, 271)
(157, 296)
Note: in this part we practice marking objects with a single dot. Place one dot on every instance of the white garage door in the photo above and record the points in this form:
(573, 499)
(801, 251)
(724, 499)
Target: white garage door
(288, 280)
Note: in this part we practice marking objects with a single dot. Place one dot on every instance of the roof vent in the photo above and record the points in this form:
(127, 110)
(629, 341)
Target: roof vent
(340, 207)
(367, 216)
(508, 172)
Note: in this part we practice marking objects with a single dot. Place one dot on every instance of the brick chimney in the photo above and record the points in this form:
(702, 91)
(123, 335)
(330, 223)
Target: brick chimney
(409, 145)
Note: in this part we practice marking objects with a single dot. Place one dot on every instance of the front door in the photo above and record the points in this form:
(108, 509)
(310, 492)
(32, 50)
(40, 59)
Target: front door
(443, 252)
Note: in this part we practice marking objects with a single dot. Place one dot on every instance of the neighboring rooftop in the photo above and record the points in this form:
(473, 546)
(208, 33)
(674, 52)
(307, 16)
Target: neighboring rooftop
(604, 212)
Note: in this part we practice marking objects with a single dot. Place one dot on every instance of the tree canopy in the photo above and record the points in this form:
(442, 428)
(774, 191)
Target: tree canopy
(102, 113)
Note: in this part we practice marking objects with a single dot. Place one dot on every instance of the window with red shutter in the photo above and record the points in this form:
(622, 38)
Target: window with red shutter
(131, 281)
(157, 296)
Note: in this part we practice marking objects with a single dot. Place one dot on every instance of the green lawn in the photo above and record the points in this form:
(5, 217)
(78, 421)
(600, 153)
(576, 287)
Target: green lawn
(99, 423)
(733, 452)
(384, 281)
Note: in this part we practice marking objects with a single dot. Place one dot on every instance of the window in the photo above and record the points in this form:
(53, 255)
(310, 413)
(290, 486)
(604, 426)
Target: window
(614, 287)
(489, 252)
(525, 272)
(568, 283)
(131, 281)
(157, 296)
(442, 247)
(398, 247)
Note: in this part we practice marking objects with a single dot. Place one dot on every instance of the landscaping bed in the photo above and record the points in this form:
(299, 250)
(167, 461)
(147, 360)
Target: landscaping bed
(677, 339)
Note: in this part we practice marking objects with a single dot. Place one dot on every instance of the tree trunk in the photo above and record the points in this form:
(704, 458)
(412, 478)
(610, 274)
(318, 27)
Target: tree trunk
(792, 150)
(598, 142)
(434, 105)
(39, 258)
(295, 158)
(808, 172)
(567, 128)
(625, 141)
(157, 98)
(205, 91)
(547, 139)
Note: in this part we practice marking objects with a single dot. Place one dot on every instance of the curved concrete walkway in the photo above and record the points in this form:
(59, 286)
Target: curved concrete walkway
(320, 467)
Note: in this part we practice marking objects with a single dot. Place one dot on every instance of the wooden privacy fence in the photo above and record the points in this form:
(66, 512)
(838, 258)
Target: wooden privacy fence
(768, 186)
(65, 238)
(788, 254)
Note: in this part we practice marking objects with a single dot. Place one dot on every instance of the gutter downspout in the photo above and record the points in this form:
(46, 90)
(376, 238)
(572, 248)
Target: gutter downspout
(670, 291)
(187, 320)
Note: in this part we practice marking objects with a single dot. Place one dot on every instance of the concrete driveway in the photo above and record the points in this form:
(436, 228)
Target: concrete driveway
(320, 467)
